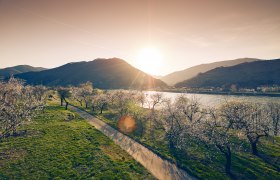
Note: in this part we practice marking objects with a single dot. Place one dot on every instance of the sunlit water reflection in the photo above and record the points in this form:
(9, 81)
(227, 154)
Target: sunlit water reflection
(212, 99)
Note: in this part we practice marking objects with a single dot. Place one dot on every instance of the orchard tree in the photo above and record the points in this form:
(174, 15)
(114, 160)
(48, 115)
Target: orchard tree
(95, 95)
(251, 119)
(172, 124)
(86, 90)
(141, 98)
(274, 114)
(189, 108)
(155, 99)
(256, 126)
(139, 115)
(63, 94)
(119, 101)
(215, 131)
(101, 102)
(179, 118)
(41, 94)
(76, 94)
(18, 103)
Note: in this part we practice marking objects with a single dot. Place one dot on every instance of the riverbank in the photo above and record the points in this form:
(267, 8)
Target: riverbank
(222, 93)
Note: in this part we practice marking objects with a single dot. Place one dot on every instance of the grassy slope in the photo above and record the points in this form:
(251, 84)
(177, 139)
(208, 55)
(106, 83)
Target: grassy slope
(206, 162)
(55, 148)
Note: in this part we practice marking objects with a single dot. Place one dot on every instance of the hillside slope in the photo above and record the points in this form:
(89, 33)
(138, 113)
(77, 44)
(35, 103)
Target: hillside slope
(249, 75)
(191, 72)
(6, 72)
(103, 73)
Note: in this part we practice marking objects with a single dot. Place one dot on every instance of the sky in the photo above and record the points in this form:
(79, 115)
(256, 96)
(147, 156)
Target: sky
(50, 33)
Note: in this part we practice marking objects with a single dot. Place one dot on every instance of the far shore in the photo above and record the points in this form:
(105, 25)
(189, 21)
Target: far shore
(276, 94)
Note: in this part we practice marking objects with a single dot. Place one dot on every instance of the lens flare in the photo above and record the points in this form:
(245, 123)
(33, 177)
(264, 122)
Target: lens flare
(127, 124)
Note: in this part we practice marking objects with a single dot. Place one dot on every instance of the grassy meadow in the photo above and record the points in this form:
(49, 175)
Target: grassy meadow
(203, 161)
(52, 147)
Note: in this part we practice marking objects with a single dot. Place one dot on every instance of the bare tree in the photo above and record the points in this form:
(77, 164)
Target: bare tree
(274, 113)
(189, 108)
(141, 98)
(18, 103)
(101, 102)
(119, 101)
(180, 118)
(215, 131)
(41, 94)
(155, 99)
(64, 93)
(172, 124)
(95, 95)
(76, 94)
(250, 118)
(86, 92)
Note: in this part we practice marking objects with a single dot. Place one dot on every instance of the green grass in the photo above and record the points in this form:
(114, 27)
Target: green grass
(53, 148)
(206, 162)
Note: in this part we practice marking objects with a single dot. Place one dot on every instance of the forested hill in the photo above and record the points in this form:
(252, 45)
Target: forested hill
(179, 76)
(7, 72)
(250, 75)
(103, 73)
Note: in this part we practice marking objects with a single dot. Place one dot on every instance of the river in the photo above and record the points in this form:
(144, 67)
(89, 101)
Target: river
(215, 100)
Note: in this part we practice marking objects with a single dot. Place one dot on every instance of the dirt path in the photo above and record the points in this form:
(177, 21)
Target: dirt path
(159, 167)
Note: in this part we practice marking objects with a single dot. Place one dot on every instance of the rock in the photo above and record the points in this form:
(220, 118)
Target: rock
(70, 116)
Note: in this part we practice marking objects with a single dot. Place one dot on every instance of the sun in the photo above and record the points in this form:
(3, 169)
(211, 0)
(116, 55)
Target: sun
(149, 60)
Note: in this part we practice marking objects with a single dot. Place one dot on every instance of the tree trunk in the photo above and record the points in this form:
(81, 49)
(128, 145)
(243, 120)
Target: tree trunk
(276, 130)
(172, 146)
(228, 161)
(66, 105)
(101, 109)
(254, 148)
(254, 142)
(14, 130)
(227, 152)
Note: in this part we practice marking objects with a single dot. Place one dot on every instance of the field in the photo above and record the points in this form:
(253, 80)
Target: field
(203, 161)
(52, 147)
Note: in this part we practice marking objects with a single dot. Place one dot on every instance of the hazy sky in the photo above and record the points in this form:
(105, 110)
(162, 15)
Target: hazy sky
(50, 33)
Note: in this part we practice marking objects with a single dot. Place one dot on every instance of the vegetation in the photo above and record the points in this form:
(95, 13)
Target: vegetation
(18, 104)
(246, 75)
(235, 140)
(197, 138)
(63, 94)
(53, 146)
(48, 142)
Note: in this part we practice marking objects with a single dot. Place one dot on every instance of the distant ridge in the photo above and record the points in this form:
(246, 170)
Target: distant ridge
(246, 75)
(111, 73)
(179, 76)
(7, 72)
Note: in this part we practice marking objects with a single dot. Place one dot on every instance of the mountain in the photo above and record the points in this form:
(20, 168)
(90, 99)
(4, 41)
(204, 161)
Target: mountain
(7, 72)
(246, 75)
(191, 72)
(157, 76)
(103, 73)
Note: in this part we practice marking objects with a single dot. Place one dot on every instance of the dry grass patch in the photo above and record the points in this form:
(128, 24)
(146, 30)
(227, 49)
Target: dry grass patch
(9, 155)
(115, 153)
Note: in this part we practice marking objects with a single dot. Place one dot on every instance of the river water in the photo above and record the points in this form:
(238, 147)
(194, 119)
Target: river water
(215, 100)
